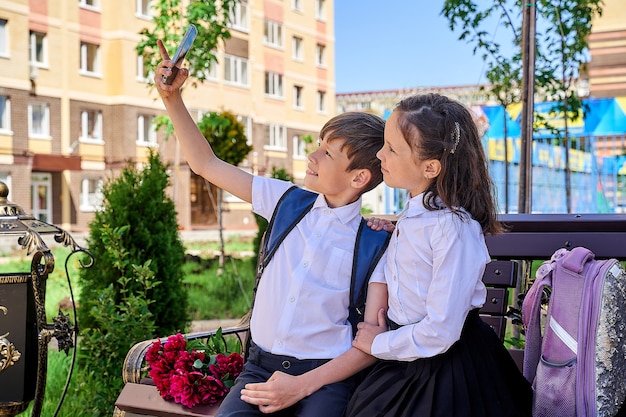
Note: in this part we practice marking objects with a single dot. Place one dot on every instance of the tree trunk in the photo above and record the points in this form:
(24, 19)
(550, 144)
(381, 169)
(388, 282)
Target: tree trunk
(217, 206)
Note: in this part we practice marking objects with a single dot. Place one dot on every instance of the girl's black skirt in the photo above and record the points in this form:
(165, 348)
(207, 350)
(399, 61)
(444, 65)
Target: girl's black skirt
(476, 377)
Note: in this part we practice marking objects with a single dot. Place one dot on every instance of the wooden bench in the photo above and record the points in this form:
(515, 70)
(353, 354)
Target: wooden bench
(530, 237)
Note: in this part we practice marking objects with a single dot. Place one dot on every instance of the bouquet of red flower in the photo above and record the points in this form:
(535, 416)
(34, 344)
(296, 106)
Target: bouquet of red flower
(194, 372)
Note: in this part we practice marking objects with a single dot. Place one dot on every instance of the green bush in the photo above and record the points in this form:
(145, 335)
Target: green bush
(138, 199)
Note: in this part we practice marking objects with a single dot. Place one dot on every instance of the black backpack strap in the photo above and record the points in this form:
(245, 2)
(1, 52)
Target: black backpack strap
(368, 249)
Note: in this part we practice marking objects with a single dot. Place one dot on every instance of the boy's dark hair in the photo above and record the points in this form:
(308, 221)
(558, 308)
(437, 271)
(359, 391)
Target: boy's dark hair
(437, 127)
(363, 135)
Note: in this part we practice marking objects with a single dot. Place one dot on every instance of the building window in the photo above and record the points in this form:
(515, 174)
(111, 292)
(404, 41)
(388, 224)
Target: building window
(320, 55)
(144, 8)
(39, 121)
(236, 70)
(274, 85)
(38, 49)
(90, 4)
(91, 126)
(299, 147)
(143, 73)
(90, 194)
(239, 17)
(89, 58)
(297, 49)
(320, 10)
(211, 74)
(298, 101)
(5, 114)
(146, 132)
(321, 101)
(276, 137)
(273, 33)
(296, 5)
(4, 38)
(247, 127)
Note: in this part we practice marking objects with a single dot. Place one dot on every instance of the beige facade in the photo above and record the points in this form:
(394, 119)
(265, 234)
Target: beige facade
(607, 43)
(74, 107)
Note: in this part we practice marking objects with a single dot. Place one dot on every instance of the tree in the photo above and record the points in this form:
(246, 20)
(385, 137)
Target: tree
(170, 20)
(565, 38)
(211, 18)
(503, 73)
(228, 140)
(560, 48)
(138, 200)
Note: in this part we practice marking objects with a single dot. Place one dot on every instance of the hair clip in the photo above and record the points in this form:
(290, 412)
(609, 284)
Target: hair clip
(456, 135)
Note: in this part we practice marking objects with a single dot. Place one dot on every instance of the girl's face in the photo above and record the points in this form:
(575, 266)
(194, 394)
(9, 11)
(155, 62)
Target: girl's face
(401, 167)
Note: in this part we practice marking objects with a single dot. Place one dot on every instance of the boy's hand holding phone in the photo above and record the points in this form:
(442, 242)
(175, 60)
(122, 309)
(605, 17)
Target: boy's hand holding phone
(179, 56)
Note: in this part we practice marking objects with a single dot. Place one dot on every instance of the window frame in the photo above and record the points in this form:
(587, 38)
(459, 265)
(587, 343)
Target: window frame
(85, 62)
(276, 136)
(90, 201)
(296, 5)
(85, 5)
(321, 101)
(298, 147)
(298, 97)
(240, 17)
(320, 55)
(5, 115)
(320, 10)
(297, 48)
(45, 121)
(143, 130)
(141, 6)
(34, 53)
(84, 126)
(274, 85)
(237, 69)
(273, 34)
(141, 70)
(4, 38)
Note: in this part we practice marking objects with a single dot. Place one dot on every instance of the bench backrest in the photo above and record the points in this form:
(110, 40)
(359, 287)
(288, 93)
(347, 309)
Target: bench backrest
(537, 237)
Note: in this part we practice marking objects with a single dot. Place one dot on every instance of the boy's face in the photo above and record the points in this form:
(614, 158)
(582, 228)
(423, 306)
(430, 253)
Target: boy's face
(327, 173)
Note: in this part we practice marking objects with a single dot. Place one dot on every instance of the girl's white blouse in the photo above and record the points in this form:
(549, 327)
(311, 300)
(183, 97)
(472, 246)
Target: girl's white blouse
(434, 268)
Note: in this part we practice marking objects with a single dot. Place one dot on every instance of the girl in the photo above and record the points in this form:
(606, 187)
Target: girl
(438, 358)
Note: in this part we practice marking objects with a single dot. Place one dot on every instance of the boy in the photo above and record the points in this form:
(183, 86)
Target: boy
(301, 339)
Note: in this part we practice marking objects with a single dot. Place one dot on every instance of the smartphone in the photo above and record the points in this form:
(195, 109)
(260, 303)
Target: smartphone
(179, 56)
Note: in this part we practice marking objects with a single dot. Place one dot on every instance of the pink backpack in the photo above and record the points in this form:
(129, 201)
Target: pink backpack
(578, 365)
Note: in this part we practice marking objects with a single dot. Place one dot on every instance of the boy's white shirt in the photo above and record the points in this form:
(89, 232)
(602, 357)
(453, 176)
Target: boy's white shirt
(302, 301)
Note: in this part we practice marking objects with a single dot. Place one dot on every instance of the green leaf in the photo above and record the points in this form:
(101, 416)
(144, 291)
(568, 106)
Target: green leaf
(198, 364)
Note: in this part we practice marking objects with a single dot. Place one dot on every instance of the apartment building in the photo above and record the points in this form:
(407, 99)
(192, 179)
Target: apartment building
(76, 106)
(606, 71)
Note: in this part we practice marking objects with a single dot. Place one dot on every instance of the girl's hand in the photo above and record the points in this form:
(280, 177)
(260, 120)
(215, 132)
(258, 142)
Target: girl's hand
(367, 332)
(164, 69)
(376, 223)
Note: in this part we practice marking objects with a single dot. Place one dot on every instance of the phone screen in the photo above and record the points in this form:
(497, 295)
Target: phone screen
(183, 48)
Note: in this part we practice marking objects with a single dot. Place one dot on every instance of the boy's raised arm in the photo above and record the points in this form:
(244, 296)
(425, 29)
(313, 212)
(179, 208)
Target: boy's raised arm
(195, 147)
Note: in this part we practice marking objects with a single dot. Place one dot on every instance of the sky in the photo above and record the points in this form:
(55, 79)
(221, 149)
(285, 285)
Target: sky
(391, 44)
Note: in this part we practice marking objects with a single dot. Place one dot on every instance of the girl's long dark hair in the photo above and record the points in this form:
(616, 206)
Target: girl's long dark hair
(437, 127)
